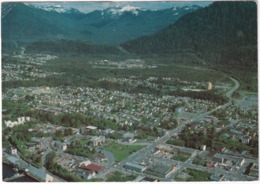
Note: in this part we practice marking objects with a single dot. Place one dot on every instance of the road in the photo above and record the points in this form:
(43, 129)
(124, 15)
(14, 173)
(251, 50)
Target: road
(110, 157)
(150, 148)
(232, 90)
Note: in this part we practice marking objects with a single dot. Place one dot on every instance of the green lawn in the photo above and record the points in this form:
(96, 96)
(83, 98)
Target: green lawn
(84, 142)
(121, 151)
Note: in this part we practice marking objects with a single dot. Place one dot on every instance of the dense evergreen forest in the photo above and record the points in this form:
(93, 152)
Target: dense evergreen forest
(223, 34)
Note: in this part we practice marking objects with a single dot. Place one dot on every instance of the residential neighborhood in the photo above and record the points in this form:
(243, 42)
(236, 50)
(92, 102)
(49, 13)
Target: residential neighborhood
(140, 135)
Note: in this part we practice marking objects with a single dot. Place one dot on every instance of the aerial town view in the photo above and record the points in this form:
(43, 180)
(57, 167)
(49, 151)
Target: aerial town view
(129, 91)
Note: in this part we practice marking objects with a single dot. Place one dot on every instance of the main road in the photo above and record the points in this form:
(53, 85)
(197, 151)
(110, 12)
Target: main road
(150, 147)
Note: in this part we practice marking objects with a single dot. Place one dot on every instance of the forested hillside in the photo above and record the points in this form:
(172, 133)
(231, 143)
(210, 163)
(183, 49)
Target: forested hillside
(227, 24)
(223, 34)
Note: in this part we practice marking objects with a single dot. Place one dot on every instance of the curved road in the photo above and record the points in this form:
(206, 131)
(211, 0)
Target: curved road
(232, 90)
(110, 157)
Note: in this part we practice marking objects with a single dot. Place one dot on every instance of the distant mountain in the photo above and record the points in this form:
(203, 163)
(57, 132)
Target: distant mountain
(55, 8)
(213, 33)
(114, 25)
(27, 23)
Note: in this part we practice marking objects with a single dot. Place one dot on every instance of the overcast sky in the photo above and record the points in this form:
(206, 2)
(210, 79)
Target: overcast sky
(91, 6)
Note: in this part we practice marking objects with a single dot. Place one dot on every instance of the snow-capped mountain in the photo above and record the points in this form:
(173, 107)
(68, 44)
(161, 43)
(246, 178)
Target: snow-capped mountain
(55, 8)
(111, 26)
(119, 10)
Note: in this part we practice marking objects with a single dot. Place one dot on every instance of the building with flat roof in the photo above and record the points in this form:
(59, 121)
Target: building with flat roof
(39, 174)
(135, 167)
(161, 170)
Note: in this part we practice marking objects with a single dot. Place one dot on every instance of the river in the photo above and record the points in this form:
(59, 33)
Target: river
(9, 172)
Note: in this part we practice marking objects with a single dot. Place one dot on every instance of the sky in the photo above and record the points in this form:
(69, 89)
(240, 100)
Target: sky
(151, 5)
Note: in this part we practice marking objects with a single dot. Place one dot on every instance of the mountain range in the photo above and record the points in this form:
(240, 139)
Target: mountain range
(26, 23)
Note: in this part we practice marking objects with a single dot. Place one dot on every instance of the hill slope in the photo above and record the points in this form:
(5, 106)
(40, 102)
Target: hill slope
(223, 34)
(210, 31)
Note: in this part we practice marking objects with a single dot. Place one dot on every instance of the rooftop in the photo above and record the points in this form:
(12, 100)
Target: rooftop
(92, 167)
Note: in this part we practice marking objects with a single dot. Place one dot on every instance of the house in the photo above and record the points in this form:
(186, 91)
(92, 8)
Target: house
(128, 137)
(98, 140)
(12, 150)
(84, 163)
(31, 146)
(164, 148)
(203, 147)
(61, 145)
(87, 175)
(216, 177)
(245, 139)
(231, 160)
(135, 167)
(91, 128)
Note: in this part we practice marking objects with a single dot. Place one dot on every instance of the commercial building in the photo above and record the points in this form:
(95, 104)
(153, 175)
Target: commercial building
(135, 167)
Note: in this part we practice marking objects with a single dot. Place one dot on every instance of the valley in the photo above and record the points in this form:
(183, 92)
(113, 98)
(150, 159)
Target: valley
(126, 102)
(124, 93)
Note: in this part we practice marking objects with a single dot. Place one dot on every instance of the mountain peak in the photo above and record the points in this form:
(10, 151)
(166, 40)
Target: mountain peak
(119, 10)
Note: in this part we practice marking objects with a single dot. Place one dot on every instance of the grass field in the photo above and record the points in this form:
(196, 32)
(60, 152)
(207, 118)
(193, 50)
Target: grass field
(121, 151)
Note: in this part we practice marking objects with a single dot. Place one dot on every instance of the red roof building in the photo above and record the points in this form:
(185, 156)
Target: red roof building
(92, 167)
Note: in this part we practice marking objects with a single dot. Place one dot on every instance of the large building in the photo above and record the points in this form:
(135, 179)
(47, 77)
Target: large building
(135, 167)
(161, 170)
(92, 168)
